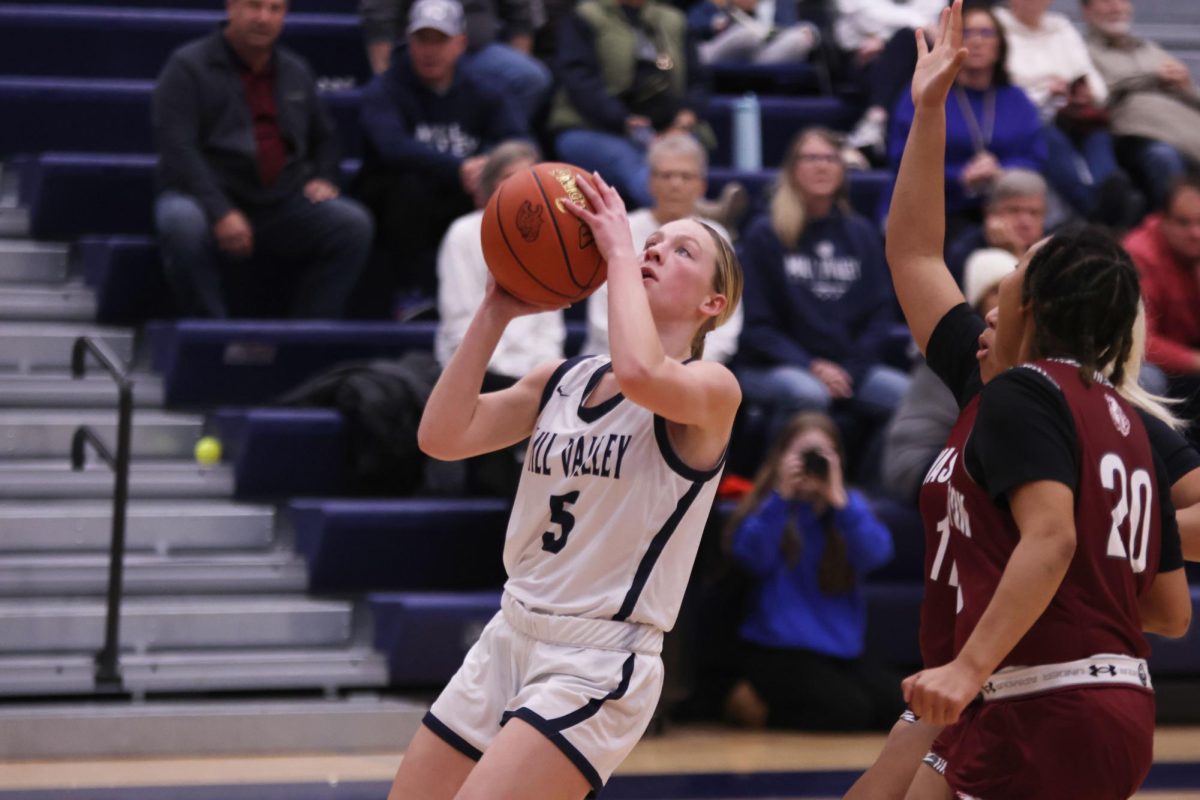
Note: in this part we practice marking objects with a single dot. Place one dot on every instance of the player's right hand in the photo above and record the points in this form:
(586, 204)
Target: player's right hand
(938, 67)
(939, 695)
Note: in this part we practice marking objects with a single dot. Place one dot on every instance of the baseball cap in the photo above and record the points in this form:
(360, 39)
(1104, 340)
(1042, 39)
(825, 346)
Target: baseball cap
(439, 15)
(985, 268)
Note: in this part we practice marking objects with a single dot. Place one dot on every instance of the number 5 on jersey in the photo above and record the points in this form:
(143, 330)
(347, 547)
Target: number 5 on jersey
(564, 519)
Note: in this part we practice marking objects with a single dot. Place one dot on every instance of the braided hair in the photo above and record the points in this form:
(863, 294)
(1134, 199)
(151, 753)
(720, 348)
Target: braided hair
(1082, 288)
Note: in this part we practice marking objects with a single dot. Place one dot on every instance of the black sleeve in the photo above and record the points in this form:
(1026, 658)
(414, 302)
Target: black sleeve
(1170, 555)
(951, 350)
(1024, 433)
(1178, 456)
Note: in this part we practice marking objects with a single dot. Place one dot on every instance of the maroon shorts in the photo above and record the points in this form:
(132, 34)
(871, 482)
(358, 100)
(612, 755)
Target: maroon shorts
(1096, 743)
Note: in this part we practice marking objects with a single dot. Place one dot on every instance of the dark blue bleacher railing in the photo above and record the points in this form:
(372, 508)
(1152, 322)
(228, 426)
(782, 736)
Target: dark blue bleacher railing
(108, 671)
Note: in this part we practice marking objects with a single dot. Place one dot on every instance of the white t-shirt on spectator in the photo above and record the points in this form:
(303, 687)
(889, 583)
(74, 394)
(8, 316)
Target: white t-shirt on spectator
(1052, 51)
(859, 20)
(462, 281)
(720, 345)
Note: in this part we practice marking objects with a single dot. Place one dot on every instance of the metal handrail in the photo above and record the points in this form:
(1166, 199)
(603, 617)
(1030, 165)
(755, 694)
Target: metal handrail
(108, 672)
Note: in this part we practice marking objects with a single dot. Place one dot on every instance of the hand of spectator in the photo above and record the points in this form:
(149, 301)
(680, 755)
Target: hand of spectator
(998, 232)
(522, 42)
(606, 217)
(684, 121)
(791, 470)
(1059, 89)
(234, 234)
(318, 190)
(938, 696)
(937, 67)
(869, 50)
(1080, 95)
(639, 128)
(836, 379)
(469, 172)
(1175, 74)
(980, 172)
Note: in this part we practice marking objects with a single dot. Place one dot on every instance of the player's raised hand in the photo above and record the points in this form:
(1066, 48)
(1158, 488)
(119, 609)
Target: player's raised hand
(507, 305)
(937, 67)
(606, 217)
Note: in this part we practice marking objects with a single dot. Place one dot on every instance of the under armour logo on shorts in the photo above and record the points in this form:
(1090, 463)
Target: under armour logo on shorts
(1098, 671)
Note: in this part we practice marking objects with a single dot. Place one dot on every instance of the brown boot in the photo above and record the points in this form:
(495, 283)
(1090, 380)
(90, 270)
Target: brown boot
(745, 708)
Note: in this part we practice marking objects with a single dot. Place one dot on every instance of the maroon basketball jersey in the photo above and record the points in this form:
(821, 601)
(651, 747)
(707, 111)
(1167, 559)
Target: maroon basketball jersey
(1117, 527)
(940, 603)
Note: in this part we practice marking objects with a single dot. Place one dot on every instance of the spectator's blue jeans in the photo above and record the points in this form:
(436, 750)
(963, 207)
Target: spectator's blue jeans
(787, 390)
(1074, 181)
(619, 161)
(331, 240)
(525, 79)
(1157, 165)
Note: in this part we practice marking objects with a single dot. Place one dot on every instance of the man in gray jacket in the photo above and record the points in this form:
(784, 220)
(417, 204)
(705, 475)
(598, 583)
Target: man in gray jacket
(248, 165)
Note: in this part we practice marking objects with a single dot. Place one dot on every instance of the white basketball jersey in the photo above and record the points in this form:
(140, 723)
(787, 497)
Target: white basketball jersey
(607, 518)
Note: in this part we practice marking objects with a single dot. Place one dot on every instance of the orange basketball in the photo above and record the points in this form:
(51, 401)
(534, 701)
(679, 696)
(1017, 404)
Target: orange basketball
(535, 247)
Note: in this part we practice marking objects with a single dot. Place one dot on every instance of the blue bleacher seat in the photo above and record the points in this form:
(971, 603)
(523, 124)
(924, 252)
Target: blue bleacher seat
(426, 635)
(419, 544)
(281, 452)
(123, 42)
(127, 276)
(865, 188)
(781, 119)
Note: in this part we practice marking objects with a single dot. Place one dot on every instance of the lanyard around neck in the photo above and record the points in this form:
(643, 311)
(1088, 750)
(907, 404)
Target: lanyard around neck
(981, 135)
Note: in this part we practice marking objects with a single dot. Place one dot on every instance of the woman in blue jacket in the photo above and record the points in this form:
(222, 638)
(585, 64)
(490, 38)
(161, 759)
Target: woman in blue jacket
(818, 300)
(807, 543)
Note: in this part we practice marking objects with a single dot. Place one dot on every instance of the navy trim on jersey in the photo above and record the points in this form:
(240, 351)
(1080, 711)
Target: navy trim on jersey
(675, 462)
(547, 729)
(593, 413)
(443, 732)
(589, 710)
(556, 378)
(657, 544)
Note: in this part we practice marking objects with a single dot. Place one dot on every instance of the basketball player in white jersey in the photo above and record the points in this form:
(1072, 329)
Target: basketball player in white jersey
(623, 462)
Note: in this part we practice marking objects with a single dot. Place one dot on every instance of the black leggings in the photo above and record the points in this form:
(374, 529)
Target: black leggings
(809, 691)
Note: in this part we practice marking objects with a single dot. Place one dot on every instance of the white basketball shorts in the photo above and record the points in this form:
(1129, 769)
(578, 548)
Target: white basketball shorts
(589, 685)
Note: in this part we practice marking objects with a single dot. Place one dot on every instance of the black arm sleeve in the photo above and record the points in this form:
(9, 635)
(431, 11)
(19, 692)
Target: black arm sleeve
(1024, 433)
(1170, 555)
(951, 350)
(1178, 456)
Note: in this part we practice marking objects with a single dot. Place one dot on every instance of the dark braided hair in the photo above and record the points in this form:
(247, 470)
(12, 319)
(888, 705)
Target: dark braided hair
(1083, 290)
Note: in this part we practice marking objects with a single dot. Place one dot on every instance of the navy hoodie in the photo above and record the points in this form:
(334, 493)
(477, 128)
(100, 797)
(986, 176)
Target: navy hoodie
(831, 297)
(409, 126)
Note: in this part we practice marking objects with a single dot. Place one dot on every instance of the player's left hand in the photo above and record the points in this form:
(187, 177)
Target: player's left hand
(606, 217)
(508, 306)
(939, 695)
(319, 190)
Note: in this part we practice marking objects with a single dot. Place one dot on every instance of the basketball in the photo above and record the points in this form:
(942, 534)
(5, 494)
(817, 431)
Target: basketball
(534, 246)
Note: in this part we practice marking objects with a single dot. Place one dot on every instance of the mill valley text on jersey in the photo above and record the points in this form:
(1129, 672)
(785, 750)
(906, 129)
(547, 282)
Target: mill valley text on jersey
(600, 455)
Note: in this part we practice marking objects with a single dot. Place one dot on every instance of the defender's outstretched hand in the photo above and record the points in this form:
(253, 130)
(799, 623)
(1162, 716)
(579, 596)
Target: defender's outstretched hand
(938, 67)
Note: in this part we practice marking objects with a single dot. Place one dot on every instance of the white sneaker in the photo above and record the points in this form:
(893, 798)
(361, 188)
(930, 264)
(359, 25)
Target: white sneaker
(869, 135)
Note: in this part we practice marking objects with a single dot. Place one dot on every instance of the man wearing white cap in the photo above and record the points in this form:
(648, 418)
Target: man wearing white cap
(921, 424)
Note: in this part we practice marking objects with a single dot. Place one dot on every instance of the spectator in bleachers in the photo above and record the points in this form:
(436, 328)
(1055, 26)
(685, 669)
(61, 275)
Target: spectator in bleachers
(876, 37)
(991, 125)
(462, 280)
(1014, 218)
(1153, 106)
(628, 72)
(751, 31)
(678, 177)
(818, 301)
(428, 123)
(248, 168)
(1166, 250)
(808, 544)
(499, 43)
(1048, 58)
(918, 431)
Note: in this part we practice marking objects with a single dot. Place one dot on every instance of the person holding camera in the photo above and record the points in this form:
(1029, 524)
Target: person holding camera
(808, 542)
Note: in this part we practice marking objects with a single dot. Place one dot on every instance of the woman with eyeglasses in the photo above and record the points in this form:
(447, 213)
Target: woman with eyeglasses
(991, 124)
(818, 304)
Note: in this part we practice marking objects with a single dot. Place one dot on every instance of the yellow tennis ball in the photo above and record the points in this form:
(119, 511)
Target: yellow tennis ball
(208, 450)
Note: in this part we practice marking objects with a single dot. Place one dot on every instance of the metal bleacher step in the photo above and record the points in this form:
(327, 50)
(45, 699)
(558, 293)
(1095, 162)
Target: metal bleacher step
(44, 346)
(50, 390)
(48, 434)
(327, 669)
(232, 727)
(77, 526)
(69, 302)
(14, 222)
(147, 574)
(27, 261)
(30, 479)
(187, 622)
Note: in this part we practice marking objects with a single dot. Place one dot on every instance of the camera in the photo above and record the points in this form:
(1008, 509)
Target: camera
(815, 464)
